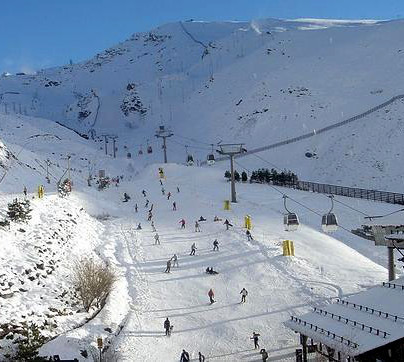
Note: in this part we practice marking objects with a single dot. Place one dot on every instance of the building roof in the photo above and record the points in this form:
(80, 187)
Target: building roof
(358, 323)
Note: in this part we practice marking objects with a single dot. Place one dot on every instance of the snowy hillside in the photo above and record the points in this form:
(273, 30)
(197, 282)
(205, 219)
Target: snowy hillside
(258, 83)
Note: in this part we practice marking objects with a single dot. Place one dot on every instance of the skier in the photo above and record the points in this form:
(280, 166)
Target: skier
(175, 260)
(202, 218)
(174, 206)
(161, 183)
(167, 326)
(227, 223)
(201, 357)
(153, 227)
(178, 189)
(163, 191)
(151, 208)
(144, 193)
(168, 195)
(149, 217)
(135, 207)
(25, 191)
(216, 245)
(255, 339)
(126, 197)
(184, 356)
(264, 354)
(147, 203)
(249, 236)
(211, 271)
(193, 249)
(168, 266)
(197, 228)
(243, 293)
(211, 296)
(156, 239)
(139, 227)
(182, 222)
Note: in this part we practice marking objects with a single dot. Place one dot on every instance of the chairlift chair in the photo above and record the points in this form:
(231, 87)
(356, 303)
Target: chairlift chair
(329, 222)
(190, 160)
(211, 159)
(290, 219)
(149, 148)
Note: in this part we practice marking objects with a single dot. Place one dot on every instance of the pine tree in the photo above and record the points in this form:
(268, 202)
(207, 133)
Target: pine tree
(29, 345)
(244, 177)
(19, 211)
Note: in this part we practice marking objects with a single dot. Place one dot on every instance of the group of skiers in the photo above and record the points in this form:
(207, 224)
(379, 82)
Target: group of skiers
(201, 358)
(185, 356)
(173, 261)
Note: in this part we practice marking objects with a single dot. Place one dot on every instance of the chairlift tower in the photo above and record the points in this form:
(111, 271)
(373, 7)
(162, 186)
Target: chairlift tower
(114, 144)
(232, 149)
(164, 133)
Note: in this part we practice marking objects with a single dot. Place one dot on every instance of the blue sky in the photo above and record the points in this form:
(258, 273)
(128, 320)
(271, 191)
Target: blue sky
(43, 33)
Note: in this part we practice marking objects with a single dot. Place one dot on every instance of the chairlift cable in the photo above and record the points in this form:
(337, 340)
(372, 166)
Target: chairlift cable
(269, 163)
(380, 216)
(350, 207)
(193, 140)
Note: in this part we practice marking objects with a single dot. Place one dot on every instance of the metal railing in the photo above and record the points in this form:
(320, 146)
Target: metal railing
(374, 195)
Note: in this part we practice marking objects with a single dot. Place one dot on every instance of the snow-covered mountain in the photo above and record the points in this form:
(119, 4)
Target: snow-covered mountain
(258, 82)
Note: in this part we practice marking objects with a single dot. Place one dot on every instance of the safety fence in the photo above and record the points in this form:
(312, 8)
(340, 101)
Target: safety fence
(374, 195)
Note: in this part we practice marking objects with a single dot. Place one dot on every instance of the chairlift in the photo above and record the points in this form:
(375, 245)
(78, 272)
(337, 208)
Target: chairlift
(149, 148)
(290, 220)
(190, 160)
(329, 222)
(211, 157)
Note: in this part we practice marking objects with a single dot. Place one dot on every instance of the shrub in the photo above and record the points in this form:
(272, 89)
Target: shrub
(64, 188)
(93, 281)
(103, 183)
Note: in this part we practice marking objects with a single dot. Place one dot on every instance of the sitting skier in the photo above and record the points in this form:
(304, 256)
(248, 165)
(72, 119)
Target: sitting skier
(202, 218)
(211, 271)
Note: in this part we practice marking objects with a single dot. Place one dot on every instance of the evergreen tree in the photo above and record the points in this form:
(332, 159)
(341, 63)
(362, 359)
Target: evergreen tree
(19, 210)
(244, 177)
(29, 345)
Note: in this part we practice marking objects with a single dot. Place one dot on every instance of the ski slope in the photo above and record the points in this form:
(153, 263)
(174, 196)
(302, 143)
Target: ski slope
(324, 267)
(260, 82)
